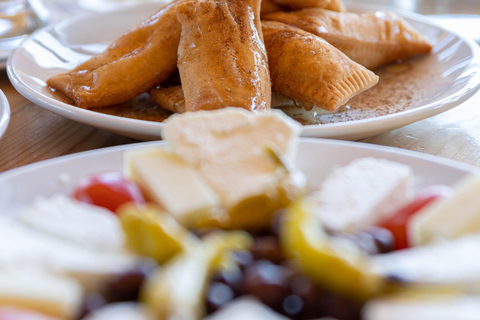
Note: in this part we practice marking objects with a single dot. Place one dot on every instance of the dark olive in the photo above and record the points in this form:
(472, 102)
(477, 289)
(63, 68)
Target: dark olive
(217, 295)
(268, 282)
(268, 248)
(126, 286)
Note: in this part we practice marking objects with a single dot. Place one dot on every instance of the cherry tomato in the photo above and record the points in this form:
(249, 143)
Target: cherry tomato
(397, 223)
(108, 190)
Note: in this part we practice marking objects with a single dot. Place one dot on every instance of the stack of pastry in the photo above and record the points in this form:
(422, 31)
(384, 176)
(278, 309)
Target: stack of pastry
(232, 53)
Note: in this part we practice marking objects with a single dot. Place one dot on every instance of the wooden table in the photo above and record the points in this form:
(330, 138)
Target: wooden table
(35, 134)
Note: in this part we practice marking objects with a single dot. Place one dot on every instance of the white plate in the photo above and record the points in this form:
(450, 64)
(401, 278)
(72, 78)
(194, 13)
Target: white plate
(58, 48)
(4, 113)
(316, 157)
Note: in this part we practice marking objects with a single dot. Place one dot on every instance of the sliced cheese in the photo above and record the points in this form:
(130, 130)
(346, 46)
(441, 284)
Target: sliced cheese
(448, 218)
(229, 148)
(423, 307)
(172, 183)
(11, 313)
(121, 311)
(75, 221)
(246, 308)
(23, 247)
(362, 193)
(51, 295)
(452, 263)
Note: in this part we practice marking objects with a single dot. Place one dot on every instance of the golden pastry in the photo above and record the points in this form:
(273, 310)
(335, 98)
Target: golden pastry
(371, 39)
(268, 6)
(336, 5)
(221, 56)
(298, 4)
(136, 62)
(172, 99)
(307, 68)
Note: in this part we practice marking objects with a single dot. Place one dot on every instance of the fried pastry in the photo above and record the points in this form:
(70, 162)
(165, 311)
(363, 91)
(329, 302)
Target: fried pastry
(172, 99)
(268, 6)
(221, 56)
(298, 4)
(305, 67)
(371, 39)
(138, 61)
(336, 5)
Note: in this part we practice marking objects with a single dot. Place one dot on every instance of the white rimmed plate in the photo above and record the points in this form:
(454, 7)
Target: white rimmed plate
(4, 113)
(316, 157)
(61, 47)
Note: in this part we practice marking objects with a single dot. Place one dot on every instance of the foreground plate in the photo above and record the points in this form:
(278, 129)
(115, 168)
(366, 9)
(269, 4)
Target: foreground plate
(316, 157)
(453, 75)
(4, 113)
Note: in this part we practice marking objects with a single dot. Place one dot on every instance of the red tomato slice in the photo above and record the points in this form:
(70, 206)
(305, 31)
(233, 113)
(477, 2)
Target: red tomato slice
(109, 190)
(397, 222)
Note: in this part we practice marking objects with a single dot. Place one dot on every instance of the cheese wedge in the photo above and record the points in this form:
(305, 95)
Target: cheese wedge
(23, 247)
(172, 183)
(448, 218)
(51, 295)
(423, 307)
(362, 193)
(450, 263)
(228, 147)
(246, 308)
(75, 221)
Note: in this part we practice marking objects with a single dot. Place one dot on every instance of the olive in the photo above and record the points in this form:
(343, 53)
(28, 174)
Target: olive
(310, 294)
(217, 295)
(268, 248)
(268, 282)
(126, 286)
(243, 258)
(292, 305)
(231, 277)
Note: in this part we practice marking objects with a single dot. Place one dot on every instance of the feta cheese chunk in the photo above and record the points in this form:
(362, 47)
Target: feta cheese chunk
(362, 193)
(452, 263)
(245, 308)
(23, 247)
(51, 295)
(172, 183)
(448, 218)
(79, 222)
(229, 148)
(423, 307)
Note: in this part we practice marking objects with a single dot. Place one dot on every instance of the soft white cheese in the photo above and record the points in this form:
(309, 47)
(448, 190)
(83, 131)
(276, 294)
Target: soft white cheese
(246, 308)
(75, 221)
(23, 247)
(448, 218)
(121, 311)
(454, 262)
(229, 148)
(423, 307)
(51, 295)
(172, 183)
(361, 193)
